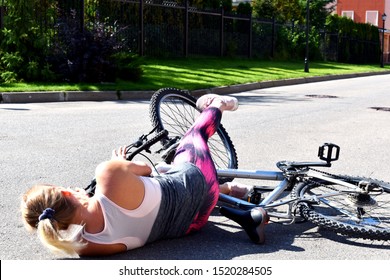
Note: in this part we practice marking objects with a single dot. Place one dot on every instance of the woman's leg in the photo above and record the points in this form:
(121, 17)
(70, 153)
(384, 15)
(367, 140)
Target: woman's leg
(193, 148)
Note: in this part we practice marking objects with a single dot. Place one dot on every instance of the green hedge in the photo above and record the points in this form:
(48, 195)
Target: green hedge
(355, 42)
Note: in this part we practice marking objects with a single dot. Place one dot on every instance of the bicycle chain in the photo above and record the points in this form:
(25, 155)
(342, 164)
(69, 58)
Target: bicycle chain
(325, 173)
(290, 173)
(296, 173)
(346, 177)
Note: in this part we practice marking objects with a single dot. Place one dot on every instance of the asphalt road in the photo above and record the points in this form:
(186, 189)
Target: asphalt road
(61, 143)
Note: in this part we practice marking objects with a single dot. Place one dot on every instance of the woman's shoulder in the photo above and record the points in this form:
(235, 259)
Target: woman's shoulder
(109, 166)
(113, 172)
(118, 183)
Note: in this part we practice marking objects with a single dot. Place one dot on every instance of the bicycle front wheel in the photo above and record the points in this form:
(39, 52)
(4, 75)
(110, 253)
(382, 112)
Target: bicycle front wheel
(175, 110)
(358, 212)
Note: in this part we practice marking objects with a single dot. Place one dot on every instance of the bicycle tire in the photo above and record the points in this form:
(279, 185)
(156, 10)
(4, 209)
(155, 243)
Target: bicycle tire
(354, 215)
(175, 111)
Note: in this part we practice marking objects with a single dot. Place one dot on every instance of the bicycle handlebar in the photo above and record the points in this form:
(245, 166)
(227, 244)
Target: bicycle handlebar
(145, 146)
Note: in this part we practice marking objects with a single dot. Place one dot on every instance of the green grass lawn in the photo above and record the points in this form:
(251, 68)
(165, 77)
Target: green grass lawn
(199, 73)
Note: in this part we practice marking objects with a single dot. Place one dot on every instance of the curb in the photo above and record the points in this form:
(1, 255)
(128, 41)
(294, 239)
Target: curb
(65, 96)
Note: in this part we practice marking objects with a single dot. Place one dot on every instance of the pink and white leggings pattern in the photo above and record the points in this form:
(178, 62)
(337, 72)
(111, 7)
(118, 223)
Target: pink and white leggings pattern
(193, 148)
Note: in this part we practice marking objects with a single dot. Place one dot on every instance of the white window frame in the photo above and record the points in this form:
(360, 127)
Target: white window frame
(348, 12)
(377, 17)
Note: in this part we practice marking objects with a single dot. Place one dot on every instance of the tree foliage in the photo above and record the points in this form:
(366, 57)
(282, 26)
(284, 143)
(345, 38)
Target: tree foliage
(42, 41)
(293, 10)
(25, 41)
(355, 42)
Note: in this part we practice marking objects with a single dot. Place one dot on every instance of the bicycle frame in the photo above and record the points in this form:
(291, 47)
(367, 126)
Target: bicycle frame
(258, 175)
(269, 201)
(273, 199)
(328, 152)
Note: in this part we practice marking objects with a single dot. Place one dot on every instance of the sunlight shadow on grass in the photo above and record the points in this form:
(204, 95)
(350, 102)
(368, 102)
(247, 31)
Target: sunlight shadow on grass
(203, 72)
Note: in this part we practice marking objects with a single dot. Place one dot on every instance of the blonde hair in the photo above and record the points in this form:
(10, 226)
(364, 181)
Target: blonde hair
(55, 232)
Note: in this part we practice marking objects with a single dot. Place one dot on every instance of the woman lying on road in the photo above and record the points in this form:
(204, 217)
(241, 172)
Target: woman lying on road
(130, 208)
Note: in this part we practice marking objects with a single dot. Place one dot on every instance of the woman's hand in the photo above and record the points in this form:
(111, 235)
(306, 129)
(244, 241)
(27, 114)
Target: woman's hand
(119, 153)
(136, 167)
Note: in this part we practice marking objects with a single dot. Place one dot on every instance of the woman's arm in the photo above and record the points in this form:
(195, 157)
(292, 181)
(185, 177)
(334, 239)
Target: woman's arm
(137, 167)
(118, 179)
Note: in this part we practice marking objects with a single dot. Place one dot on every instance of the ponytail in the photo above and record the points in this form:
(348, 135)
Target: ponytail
(59, 242)
(47, 210)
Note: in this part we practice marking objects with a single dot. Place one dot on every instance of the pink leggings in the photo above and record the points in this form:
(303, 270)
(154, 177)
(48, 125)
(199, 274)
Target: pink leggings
(193, 148)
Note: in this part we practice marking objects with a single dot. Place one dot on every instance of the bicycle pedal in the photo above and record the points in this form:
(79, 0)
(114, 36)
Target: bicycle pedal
(254, 196)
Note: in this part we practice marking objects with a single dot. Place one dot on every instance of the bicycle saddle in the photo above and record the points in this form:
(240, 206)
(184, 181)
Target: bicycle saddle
(252, 221)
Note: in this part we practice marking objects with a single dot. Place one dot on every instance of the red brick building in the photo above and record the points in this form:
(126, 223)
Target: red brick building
(368, 11)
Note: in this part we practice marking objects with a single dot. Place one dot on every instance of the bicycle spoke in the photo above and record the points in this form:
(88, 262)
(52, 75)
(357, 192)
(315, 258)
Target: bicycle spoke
(342, 208)
(178, 117)
(175, 111)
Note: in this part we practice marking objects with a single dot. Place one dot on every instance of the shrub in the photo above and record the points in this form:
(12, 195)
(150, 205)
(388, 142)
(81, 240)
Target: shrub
(127, 66)
(41, 42)
(91, 55)
(11, 64)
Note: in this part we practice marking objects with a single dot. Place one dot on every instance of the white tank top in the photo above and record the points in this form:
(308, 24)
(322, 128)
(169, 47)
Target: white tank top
(129, 227)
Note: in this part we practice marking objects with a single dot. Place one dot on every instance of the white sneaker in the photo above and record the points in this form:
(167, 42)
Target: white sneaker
(204, 101)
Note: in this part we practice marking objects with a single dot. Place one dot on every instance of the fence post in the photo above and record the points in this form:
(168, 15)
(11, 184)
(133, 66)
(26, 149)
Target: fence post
(221, 41)
(186, 30)
(338, 46)
(273, 37)
(2, 13)
(82, 7)
(250, 36)
(1, 17)
(141, 28)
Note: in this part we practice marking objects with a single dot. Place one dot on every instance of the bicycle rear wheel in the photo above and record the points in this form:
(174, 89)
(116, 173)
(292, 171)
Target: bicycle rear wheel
(175, 110)
(364, 213)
